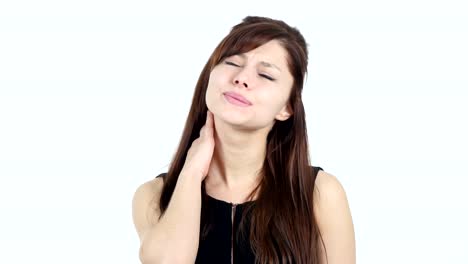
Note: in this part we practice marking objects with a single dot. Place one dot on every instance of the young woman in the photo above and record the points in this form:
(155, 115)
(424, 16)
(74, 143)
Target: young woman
(240, 188)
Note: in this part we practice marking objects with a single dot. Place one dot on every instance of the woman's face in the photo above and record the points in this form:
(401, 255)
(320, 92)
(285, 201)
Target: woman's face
(251, 90)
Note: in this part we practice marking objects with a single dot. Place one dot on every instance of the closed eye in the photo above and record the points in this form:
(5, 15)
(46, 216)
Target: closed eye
(231, 63)
(262, 75)
(267, 77)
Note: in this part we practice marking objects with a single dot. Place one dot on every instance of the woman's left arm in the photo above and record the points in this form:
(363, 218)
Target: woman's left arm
(334, 220)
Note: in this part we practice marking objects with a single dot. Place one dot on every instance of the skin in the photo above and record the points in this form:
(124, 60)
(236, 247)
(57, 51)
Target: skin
(240, 132)
(231, 148)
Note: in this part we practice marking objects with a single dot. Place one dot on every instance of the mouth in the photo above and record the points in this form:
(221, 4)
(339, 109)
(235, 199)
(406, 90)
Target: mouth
(237, 99)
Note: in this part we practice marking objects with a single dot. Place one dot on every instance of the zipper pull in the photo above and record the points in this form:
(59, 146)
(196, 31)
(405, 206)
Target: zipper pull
(233, 212)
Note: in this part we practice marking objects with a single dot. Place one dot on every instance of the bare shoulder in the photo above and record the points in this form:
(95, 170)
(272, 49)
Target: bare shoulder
(145, 205)
(334, 219)
(327, 187)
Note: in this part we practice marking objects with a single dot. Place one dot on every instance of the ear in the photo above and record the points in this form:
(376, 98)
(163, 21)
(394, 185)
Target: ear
(285, 113)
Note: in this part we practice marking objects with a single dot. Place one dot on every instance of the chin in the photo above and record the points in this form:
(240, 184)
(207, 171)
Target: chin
(232, 117)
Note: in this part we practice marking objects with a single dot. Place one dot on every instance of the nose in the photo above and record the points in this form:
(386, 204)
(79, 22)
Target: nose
(242, 78)
(236, 81)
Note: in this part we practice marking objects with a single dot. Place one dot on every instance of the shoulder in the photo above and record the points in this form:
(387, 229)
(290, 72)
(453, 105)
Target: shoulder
(334, 220)
(149, 188)
(145, 204)
(329, 194)
(327, 186)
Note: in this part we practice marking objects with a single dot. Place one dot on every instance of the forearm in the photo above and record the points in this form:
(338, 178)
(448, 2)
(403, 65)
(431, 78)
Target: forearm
(175, 238)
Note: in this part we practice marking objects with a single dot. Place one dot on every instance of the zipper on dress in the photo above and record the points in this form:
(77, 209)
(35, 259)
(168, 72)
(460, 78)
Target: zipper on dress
(233, 213)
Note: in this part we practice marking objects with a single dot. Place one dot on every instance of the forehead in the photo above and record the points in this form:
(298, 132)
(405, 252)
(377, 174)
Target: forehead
(271, 51)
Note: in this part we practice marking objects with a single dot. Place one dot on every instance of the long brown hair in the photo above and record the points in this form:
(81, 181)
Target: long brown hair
(283, 227)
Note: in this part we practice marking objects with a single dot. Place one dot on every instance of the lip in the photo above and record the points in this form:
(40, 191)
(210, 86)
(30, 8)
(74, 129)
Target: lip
(237, 97)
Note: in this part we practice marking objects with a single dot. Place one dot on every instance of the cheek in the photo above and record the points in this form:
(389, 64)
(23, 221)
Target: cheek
(272, 103)
(212, 82)
(213, 89)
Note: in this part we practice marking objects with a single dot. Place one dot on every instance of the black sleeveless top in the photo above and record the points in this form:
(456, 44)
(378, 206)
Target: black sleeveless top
(217, 247)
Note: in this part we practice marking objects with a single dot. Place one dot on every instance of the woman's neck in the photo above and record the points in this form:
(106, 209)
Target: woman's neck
(238, 157)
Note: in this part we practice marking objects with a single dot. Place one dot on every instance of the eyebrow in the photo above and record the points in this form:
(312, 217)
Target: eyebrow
(264, 63)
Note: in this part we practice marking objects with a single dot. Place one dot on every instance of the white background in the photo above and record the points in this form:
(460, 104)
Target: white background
(94, 95)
